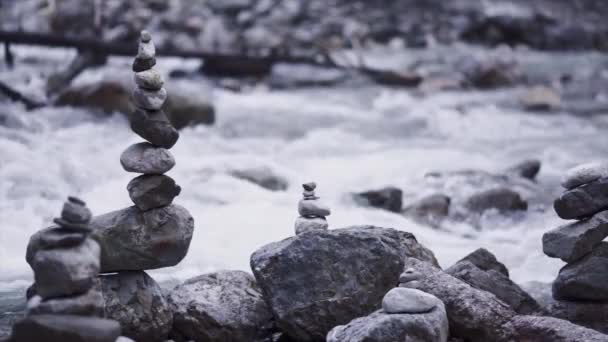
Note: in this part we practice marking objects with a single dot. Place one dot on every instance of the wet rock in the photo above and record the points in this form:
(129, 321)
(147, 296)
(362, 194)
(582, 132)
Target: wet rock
(402, 78)
(65, 328)
(154, 126)
(583, 174)
(299, 75)
(526, 169)
(152, 191)
(108, 96)
(389, 198)
(491, 73)
(584, 279)
(149, 99)
(147, 158)
(90, 303)
(549, 329)
(430, 210)
(541, 98)
(321, 279)
(221, 306)
(380, 327)
(502, 199)
(134, 240)
(65, 271)
(474, 315)
(583, 201)
(140, 64)
(189, 110)
(262, 176)
(573, 241)
(313, 208)
(136, 301)
(486, 261)
(402, 300)
(307, 224)
(149, 79)
(592, 315)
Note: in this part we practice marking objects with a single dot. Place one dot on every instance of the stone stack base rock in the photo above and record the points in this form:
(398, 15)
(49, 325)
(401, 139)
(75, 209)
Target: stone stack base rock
(312, 211)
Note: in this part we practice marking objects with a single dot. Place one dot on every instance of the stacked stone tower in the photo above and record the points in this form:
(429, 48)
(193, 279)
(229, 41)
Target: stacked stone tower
(312, 211)
(65, 303)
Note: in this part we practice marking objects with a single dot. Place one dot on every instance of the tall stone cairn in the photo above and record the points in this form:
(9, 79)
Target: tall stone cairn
(65, 303)
(312, 211)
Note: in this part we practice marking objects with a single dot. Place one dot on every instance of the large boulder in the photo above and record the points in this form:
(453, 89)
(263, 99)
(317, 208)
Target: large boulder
(65, 328)
(573, 241)
(501, 199)
(220, 306)
(550, 329)
(474, 315)
(430, 210)
(136, 301)
(583, 201)
(592, 315)
(389, 198)
(134, 240)
(316, 281)
(486, 261)
(584, 279)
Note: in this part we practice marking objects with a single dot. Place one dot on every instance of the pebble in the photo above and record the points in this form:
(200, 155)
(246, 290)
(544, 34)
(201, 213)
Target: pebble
(147, 158)
(146, 50)
(149, 99)
(309, 186)
(149, 79)
(313, 208)
(583, 174)
(402, 300)
(75, 211)
(143, 64)
(154, 126)
(145, 36)
(409, 275)
(152, 191)
(305, 224)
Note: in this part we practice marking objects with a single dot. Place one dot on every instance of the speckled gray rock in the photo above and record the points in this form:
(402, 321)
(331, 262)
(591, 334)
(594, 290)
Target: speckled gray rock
(90, 303)
(152, 191)
(306, 224)
(143, 64)
(381, 327)
(408, 301)
(65, 271)
(484, 260)
(146, 50)
(313, 208)
(573, 241)
(149, 79)
(52, 237)
(549, 329)
(583, 201)
(474, 315)
(147, 158)
(136, 301)
(221, 306)
(583, 174)
(65, 328)
(592, 315)
(155, 127)
(584, 279)
(134, 240)
(149, 99)
(316, 281)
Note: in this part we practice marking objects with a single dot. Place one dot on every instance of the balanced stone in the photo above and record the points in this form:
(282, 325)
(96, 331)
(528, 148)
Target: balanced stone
(406, 300)
(60, 238)
(584, 279)
(65, 328)
(306, 224)
(583, 174)
(409, 275)
(152, 191)
(143, 64)
(146, 50)
(155, 127)
(583, 201)
(149, 79)
(90, 303)
(149, 99)
(66, 271)
(145, 36)
(75, 211)
(313, 208)
(147, 158)
(67, 226)
(132, 239)
(309, 186)
(573, 241)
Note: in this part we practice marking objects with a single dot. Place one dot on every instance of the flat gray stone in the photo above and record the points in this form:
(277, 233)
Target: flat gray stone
(549, 329)
(132, 239)
(583, 174)
(583, 201)
(149, 99)
(306, 224)
(90, 303)
(313, 208)
(585, 279)
(155, 127)
(65, 328)
(140, 64)
(152, 191)
(146, 50)
(401, 300)
(573, 241)
(149, 79)
(147, 158)
(75, 211)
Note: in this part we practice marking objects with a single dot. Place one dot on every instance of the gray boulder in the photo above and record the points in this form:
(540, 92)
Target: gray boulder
(152, 191)
(573, 241)
(474, 315)
(134, 240)
(583, 201)
(318, 280)
(502, 199)
(484, 260)
(186, 108)
(592, 315)
(583, 174)
(408, 301)
(389, 198)
(584, 279)
(220, 306)
(526, 169)
(65, 328)
(136, 301)
(430, 210)
(550, 329)
(382, 327)
(147, 158)
(262, 176)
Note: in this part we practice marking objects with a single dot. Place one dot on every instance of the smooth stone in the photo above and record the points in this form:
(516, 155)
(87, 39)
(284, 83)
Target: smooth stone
(140, 64)
(585, 279)
(409, 301)
(90, 303)
(549, 329)
(132, 239)
(149, 79)
(583, 201)
(221, 306)
(389, 198)
(155, 127)
(146, 50)
(583, 174)
(65, 328)
(145, 36)
(409, 275)
(147, 158)
(152, 191)
(309, 186)
(313, 208)
(314, 282)
(308, 194)
(75, 211)
(381, 327)
(573, 241)
(136, 301)
(149, 99)
(66, 271)
(69, 227)
(60, 238)
(306, 224)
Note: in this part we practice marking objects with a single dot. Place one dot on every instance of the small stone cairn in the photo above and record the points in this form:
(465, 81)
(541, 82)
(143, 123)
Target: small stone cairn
(65, 303)
(580, 244)
(312, 211)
